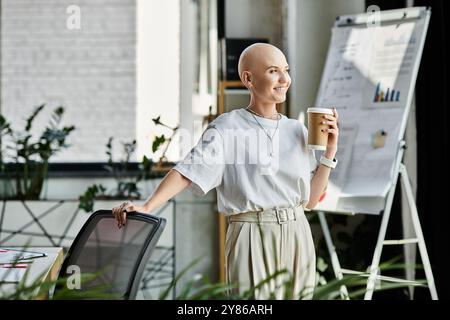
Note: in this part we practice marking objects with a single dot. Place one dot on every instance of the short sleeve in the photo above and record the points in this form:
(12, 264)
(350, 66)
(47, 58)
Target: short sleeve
(313, 163)
(204, 165)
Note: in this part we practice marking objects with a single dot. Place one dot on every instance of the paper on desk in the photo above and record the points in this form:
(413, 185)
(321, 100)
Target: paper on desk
(11, 274)
(9, 256)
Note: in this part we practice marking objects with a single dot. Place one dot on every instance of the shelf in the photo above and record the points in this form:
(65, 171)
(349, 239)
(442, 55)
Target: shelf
(224, 89)
(237, 91)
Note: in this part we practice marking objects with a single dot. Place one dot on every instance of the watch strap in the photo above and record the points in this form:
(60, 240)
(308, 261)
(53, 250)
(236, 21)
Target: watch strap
(328, 163)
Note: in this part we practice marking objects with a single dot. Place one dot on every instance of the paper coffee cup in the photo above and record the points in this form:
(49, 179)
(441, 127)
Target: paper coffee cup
(317, 140)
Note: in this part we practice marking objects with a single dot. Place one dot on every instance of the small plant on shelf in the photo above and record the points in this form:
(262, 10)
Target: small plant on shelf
(126, 181)
(162, 140)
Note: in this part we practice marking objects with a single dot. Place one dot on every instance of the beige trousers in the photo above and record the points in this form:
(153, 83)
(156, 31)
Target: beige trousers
(274, 245)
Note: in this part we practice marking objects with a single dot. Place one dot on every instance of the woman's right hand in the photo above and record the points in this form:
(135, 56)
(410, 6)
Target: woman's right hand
(120, 212)
(172, 184)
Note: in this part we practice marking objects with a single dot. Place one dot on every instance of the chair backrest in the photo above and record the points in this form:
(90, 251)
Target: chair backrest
(119, 256)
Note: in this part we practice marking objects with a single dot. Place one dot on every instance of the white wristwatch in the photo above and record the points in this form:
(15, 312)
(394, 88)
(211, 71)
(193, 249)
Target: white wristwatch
(328, 163)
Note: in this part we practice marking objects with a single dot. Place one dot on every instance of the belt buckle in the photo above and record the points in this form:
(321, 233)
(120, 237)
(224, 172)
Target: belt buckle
(282, 216)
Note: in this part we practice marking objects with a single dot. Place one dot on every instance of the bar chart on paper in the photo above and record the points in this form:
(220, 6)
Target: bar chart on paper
(385, 95)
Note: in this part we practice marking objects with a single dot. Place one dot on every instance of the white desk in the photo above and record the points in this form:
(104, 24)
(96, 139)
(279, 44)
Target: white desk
(48, 266)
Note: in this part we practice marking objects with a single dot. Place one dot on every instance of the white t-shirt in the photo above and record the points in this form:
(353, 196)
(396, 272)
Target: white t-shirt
(233, 156)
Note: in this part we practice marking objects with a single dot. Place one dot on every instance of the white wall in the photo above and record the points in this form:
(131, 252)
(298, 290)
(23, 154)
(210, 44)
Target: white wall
(113, 75)
(189, 56)
(314, 21)
(253, 19)
(90, 71)
(158, 72)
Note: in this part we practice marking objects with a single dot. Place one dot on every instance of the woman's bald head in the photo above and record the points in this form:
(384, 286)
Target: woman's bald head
(263, 69)
(257, 56)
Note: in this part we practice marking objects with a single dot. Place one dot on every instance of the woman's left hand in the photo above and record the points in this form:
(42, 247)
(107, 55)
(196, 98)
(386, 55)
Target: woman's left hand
(333, 131)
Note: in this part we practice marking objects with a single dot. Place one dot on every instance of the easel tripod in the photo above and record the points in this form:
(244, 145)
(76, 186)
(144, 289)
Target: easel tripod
(374, 270)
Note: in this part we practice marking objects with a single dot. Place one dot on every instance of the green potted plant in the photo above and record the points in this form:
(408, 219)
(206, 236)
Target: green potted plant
(201, 287)
(162, 165)
(127, 183)
(26, 165)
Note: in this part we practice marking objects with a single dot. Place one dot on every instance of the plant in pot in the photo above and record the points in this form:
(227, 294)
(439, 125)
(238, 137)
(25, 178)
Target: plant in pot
(24, 162)
(159, 141)
(126, 180)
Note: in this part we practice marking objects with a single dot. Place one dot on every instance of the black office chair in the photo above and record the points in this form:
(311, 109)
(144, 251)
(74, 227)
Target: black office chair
(118, 256)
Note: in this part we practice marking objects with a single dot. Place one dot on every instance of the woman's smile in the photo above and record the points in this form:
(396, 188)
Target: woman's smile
(282, 89)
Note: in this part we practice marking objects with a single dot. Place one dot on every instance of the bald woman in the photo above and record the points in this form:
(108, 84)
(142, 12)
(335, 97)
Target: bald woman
(264, 175)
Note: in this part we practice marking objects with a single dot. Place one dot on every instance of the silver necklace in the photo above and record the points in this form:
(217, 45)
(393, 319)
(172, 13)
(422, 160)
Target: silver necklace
(270, 137)
(260, 115)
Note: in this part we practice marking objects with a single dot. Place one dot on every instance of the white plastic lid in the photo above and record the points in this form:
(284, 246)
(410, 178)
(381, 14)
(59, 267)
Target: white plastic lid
(320, 110)
(317, 147)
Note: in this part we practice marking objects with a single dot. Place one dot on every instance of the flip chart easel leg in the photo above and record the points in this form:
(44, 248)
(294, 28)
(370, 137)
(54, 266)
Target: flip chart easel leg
(418, 231)
(333, 255)
(374, 267)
